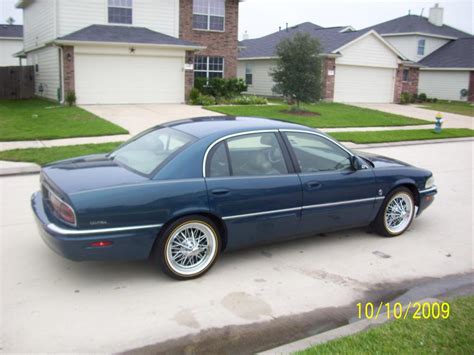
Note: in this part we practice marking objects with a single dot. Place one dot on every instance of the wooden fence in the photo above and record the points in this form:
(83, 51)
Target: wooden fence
(17, 82)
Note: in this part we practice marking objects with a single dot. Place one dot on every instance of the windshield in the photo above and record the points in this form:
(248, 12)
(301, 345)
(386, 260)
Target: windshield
(147, 151)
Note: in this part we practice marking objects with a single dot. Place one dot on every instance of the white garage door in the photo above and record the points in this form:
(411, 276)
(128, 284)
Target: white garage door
(113, 79)
(363, 84)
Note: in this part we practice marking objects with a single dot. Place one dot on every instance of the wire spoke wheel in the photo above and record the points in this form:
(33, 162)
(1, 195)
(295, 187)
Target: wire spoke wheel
(191, 248)
(399, 213)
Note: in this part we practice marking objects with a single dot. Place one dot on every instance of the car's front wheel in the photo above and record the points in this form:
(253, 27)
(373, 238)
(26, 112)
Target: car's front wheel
(188, 247)
(396, 214)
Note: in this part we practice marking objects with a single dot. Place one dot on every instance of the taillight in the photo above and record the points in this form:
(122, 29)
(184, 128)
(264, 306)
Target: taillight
(62, 209)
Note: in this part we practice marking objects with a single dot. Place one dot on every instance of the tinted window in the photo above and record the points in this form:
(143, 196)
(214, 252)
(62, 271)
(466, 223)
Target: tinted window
(146, 152)
(256, 154)
(218, 162)
(315, 153)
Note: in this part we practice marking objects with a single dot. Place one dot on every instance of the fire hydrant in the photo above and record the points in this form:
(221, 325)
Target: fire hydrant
(438, 123)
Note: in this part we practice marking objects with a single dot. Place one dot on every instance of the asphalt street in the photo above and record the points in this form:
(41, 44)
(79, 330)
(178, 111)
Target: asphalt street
(49, 304)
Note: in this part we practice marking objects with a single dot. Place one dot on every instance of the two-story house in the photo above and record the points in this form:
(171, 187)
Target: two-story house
(128, 51)
(445, 55)
(11, 42)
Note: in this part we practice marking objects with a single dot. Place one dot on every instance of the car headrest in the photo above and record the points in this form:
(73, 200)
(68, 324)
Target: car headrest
(268, 139)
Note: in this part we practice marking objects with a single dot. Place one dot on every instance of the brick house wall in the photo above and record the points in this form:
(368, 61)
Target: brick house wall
(68, 68)
(329, 64)
(470, 95)
(411, 85)
(219, 44)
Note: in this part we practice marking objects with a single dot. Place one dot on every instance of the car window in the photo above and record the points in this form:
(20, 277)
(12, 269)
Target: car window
(218, 162)
(315, 153)
(147, 151)
(256, 154)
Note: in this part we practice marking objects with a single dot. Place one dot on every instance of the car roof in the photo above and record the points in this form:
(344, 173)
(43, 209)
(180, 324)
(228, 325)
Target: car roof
(201, 127)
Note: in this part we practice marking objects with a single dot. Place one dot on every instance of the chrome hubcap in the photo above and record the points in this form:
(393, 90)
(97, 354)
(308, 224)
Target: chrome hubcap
(398, 213)
(191, 248)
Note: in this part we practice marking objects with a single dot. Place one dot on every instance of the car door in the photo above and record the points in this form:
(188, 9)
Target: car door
(252, 185)
(335, 195)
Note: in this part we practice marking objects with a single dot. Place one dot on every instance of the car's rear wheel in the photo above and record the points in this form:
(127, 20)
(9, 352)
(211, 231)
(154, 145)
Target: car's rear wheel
(188, 247)
(396, 214)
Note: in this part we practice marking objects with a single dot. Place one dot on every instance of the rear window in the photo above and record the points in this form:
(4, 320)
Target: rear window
(148, 151)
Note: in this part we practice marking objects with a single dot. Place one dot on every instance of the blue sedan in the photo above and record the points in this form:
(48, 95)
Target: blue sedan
(183, 192)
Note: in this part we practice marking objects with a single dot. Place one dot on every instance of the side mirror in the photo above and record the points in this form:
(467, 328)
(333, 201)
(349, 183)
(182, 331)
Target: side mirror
(357, 163)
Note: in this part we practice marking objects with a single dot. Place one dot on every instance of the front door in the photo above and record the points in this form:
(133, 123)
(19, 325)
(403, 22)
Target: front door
(251, 185)
(335, 196)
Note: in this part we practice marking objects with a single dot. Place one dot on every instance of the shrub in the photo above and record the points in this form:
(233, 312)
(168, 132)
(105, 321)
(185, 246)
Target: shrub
(434, 99)
(219, 87)
(405, 98)
(413, 98)
(70, 97)
(194, 94)
(204, 100)
(248, 100)
(422, 97)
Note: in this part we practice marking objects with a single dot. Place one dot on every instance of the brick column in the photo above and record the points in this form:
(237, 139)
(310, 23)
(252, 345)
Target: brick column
(397, 92)
(411, 85)
(470, 95)
(329, 64)
(68, 69)
(188, 74)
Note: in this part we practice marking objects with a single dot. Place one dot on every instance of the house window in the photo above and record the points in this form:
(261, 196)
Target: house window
(120, 11)
(208, 67)
(406, 73)
(209, 15)
(421, 47)
(248, 74)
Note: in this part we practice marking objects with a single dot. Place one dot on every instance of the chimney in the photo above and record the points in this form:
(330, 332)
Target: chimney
(436, 15)
(246, 35)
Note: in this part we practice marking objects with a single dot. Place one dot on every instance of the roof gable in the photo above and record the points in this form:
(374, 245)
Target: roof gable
(416, 24)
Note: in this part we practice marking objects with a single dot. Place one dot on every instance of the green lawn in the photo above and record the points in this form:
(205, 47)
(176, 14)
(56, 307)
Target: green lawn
(41, 119)
(331, 115)
(459, 107)
(43, 156)
(401, 135)
(441, 336)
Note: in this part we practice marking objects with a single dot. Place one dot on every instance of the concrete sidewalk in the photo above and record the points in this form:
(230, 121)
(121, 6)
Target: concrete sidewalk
(450, 120)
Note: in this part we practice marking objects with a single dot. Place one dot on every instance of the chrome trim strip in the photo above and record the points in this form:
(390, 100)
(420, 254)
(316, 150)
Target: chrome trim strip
(432, 188)
(320, 135)
(227, 137)
(262, 213)
(54, 228)
(373, 199)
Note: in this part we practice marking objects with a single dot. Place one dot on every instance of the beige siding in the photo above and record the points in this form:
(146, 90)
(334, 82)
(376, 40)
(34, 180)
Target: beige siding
(48, 71)
(443, 84)
(7, 48)
(157, 15)
(368, 51)
(262, 81)
(408, 45)
(39, 23)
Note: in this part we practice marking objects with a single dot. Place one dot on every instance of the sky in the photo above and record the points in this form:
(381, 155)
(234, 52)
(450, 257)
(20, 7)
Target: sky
(261, 17)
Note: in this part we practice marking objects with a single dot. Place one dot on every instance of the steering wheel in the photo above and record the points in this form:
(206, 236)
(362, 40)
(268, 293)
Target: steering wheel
(340, 165)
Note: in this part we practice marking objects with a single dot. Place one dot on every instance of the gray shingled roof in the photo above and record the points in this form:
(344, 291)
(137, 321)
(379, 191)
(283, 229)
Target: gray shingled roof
(456, 54)
(415, 23)
(330, 39)
(123, 34)
(14, 31)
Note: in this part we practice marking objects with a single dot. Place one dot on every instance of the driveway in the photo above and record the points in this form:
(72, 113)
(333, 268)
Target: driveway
(50, 304)
(450, 120)
(137, 118)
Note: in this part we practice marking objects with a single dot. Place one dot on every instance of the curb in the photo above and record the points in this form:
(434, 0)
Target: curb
(18, 168)
(350, 329)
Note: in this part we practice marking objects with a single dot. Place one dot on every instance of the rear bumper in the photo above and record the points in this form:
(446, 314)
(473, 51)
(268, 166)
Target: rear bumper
(426, 199)
(75, 244)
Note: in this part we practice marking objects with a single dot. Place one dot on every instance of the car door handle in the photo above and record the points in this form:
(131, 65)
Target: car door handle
(313, 185)
(220, 192)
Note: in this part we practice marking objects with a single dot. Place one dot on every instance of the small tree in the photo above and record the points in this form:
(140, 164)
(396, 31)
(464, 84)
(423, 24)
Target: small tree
(298, 71)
